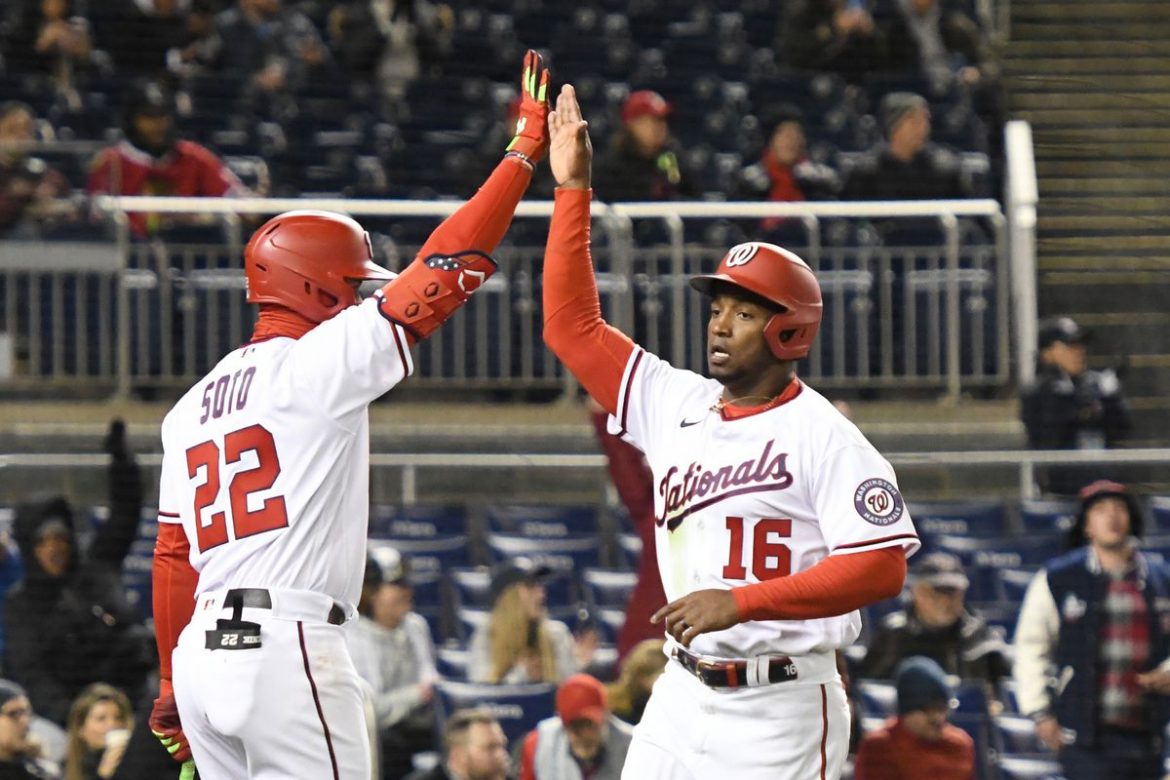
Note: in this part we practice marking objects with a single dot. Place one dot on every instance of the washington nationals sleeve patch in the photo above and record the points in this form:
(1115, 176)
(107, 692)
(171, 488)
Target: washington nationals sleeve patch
(878, 502)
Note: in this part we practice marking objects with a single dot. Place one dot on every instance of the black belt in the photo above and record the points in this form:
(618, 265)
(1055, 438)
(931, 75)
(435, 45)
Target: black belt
(734, 673)
(259, 598)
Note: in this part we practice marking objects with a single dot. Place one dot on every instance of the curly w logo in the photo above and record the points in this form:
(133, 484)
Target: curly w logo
(741, 254)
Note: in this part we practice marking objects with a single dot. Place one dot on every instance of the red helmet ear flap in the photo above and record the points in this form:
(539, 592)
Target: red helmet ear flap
(788, 337)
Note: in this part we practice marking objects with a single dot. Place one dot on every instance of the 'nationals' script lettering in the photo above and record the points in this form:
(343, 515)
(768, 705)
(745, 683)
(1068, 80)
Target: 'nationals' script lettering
(698, 487)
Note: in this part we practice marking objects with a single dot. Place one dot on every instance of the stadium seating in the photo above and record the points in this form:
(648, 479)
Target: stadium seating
(964, 518)
(541, 520)
(1047, 515)
(518, 707)
(1028, 768)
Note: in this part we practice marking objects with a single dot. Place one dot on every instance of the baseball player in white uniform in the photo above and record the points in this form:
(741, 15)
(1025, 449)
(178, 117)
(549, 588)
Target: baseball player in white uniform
(263, 501)
(777, 520)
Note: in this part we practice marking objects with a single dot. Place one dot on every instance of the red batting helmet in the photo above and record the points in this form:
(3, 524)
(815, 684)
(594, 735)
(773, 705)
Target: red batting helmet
(305, 261)
(781, 277)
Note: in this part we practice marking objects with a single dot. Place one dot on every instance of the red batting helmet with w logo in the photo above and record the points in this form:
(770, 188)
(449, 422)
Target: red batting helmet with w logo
(306, 261)
(781, 277)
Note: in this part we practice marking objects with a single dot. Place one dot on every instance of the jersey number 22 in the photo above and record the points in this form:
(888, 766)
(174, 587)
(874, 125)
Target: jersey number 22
(270, 516)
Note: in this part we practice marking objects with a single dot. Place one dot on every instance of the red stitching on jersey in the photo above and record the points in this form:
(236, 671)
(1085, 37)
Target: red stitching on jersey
(854, 545)
(674, 522)
(626, 394)
(824, 728)
(317, 700)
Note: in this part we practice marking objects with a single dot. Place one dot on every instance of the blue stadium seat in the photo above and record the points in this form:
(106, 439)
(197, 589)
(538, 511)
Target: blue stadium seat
(1013, 583)
(607, 587)
(878, 699)
(962, 518)
(428, 589)
(1029, 767)
(1159, 512)
(1003, 551)
(1047, 515)
(541, 520)
(417, 522)
(471, 586)
(517, 707)
(1017, 734)
(1000, 615)
(630, 549)
(451, 663)
(430, 555)
(574, 553)
(979, 727)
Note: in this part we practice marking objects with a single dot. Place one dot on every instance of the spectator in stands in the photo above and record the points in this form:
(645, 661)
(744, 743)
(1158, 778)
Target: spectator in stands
(50, 37)
(273, 47)
(784, 172)
(99, 730)
(519, 643)
(152, 160)
(70, 622)
(937, 625)
(140, 34)
(1093, 645)
(830, 36)
(20, 754)
(388, 41)
(583, 739)
(31, 192)
(639, 671)
(1069, 406)
(631, 478)
(905, 166)
(643, 162)
(941, 44)
(918, 744)
(474, 748)
(392, 649)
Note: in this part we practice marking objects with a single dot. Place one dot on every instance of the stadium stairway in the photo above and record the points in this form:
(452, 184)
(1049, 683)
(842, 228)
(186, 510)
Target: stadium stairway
(1091, 79)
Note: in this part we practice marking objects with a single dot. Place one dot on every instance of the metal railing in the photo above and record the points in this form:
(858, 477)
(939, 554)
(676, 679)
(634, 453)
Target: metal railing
(147, 313)
(411, 464)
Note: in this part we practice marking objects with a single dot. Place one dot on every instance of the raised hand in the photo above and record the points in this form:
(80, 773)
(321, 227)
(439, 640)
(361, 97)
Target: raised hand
(570, 151)
(531, 139)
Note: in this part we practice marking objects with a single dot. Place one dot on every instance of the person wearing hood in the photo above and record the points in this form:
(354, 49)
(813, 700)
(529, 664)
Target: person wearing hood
(70, 622)
(1093, 645)
(151, 159)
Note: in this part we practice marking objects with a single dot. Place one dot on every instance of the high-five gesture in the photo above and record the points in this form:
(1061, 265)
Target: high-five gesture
(570, 152)
(531, 139)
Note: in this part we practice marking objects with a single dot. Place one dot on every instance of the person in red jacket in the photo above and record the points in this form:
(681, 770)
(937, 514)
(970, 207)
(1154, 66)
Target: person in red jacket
(918, 744)
(152, 160)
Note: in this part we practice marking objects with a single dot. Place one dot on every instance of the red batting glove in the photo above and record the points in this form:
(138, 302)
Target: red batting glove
(531, 139)
(164, 724)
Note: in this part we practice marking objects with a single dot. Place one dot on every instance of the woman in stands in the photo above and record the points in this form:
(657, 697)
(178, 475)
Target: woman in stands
(519, 643)
(99, 730)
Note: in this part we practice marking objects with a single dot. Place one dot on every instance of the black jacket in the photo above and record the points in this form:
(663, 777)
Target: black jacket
(969, 648)
(624, 175)
(1061, 412)
(67, 632)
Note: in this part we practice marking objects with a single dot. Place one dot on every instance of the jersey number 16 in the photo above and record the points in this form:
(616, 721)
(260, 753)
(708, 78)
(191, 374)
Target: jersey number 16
(245, 522)
(769, 559)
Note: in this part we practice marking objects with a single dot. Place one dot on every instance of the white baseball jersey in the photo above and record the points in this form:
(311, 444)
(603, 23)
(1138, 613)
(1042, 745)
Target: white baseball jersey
(762, 496)
(266, 459)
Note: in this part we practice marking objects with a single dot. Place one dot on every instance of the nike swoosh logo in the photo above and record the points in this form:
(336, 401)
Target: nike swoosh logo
(689, 423)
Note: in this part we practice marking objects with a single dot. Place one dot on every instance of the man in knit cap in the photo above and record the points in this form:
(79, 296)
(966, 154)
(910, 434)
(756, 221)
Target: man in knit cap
(919, 742)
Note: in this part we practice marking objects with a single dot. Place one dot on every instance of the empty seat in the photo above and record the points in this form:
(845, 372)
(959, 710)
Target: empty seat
(607, 587)
(1017, 734)
(433, 554)
(1048, 515)
(965, 518)
(574, 553)
(1005, 551)
(541, 520)
(417, 522)
(451, 662)
(877, 699)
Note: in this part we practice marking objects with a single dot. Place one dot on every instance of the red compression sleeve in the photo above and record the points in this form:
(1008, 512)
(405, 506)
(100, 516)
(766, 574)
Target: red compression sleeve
(595, 352)
(481, 222)
(528, 757)
(173, 581)
(835, 586)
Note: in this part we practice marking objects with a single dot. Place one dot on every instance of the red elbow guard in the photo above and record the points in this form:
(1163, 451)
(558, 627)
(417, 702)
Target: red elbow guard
(428, 292)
